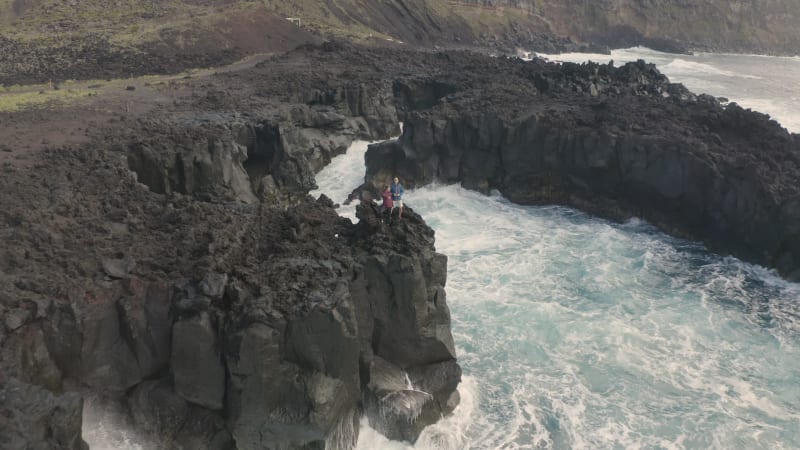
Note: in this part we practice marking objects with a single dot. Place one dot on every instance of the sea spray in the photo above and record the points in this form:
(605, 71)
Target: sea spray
(345, 433)
(105, 427)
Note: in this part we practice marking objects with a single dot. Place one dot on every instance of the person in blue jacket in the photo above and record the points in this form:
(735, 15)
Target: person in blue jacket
(397, 197)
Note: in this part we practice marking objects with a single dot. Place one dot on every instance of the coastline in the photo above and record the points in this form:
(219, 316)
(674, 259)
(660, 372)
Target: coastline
(185, 222)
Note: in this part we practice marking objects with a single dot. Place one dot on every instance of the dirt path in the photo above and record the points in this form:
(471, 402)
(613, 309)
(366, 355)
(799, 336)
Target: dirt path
(106, 86)
(37, 116)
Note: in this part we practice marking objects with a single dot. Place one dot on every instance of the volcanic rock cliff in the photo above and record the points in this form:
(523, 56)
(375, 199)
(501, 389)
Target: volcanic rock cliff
(617, 142)
(174, 270)
(216, 325)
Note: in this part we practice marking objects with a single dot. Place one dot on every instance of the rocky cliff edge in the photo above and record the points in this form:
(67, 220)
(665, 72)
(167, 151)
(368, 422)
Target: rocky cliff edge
(175, 271)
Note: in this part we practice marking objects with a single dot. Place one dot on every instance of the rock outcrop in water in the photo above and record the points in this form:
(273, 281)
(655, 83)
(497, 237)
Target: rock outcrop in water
(219, 324)
(616, 142)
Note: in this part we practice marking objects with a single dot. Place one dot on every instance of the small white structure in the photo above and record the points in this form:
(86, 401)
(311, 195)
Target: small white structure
(294, 20)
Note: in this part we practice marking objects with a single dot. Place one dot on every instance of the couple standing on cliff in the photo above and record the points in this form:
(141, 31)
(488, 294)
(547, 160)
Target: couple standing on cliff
(393, 198)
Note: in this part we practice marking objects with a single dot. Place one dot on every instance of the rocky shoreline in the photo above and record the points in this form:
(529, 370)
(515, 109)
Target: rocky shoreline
(615, 142)
(175, 266)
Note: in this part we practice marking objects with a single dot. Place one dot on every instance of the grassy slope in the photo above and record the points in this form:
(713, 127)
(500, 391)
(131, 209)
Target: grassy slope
(135, 21)
(770, 23)
(13, 100)
(197, 27)
(34, 19)
(766, 25)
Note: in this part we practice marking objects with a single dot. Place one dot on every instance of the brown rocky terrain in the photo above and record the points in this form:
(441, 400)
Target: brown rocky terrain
(50, 40)
(764, 27)
(94, 41)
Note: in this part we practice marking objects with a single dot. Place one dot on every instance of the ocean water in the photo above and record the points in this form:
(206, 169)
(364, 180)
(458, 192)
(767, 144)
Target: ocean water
(574, 332)
(578, 333)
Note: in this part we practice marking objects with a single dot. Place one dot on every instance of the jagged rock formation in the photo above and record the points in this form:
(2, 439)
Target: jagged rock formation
(615, 142)
(218, 325)
(270, 156)
(34, 417)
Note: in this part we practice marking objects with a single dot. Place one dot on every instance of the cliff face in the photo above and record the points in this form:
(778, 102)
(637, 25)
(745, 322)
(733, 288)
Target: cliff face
(746, 26)
(219, 326)
(550, 26)
(614, 142)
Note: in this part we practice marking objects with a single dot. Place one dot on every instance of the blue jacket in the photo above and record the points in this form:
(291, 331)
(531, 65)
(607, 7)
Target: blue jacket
(397, 191)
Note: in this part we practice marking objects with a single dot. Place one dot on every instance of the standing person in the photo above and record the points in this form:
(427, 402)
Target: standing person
(387, 205)
(397, 197)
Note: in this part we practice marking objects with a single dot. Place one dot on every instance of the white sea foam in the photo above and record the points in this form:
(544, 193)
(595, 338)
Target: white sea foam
(586, 334)
(106, 429)
(680, 66)
(342, 175)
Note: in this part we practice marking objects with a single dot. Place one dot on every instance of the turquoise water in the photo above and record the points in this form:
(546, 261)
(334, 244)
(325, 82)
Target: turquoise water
(580, 333)
(574, 332)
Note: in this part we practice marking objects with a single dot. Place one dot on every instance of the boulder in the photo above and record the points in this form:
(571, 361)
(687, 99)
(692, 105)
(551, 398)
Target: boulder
(118, 267)
(108, 363)
(25, 356)
(196, 363)
(400, 404)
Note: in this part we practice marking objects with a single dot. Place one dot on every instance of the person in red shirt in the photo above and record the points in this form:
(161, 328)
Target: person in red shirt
(388, 204)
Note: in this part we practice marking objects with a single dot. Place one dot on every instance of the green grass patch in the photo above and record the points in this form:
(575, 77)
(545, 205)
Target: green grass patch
(11, 102)
(20, 87)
